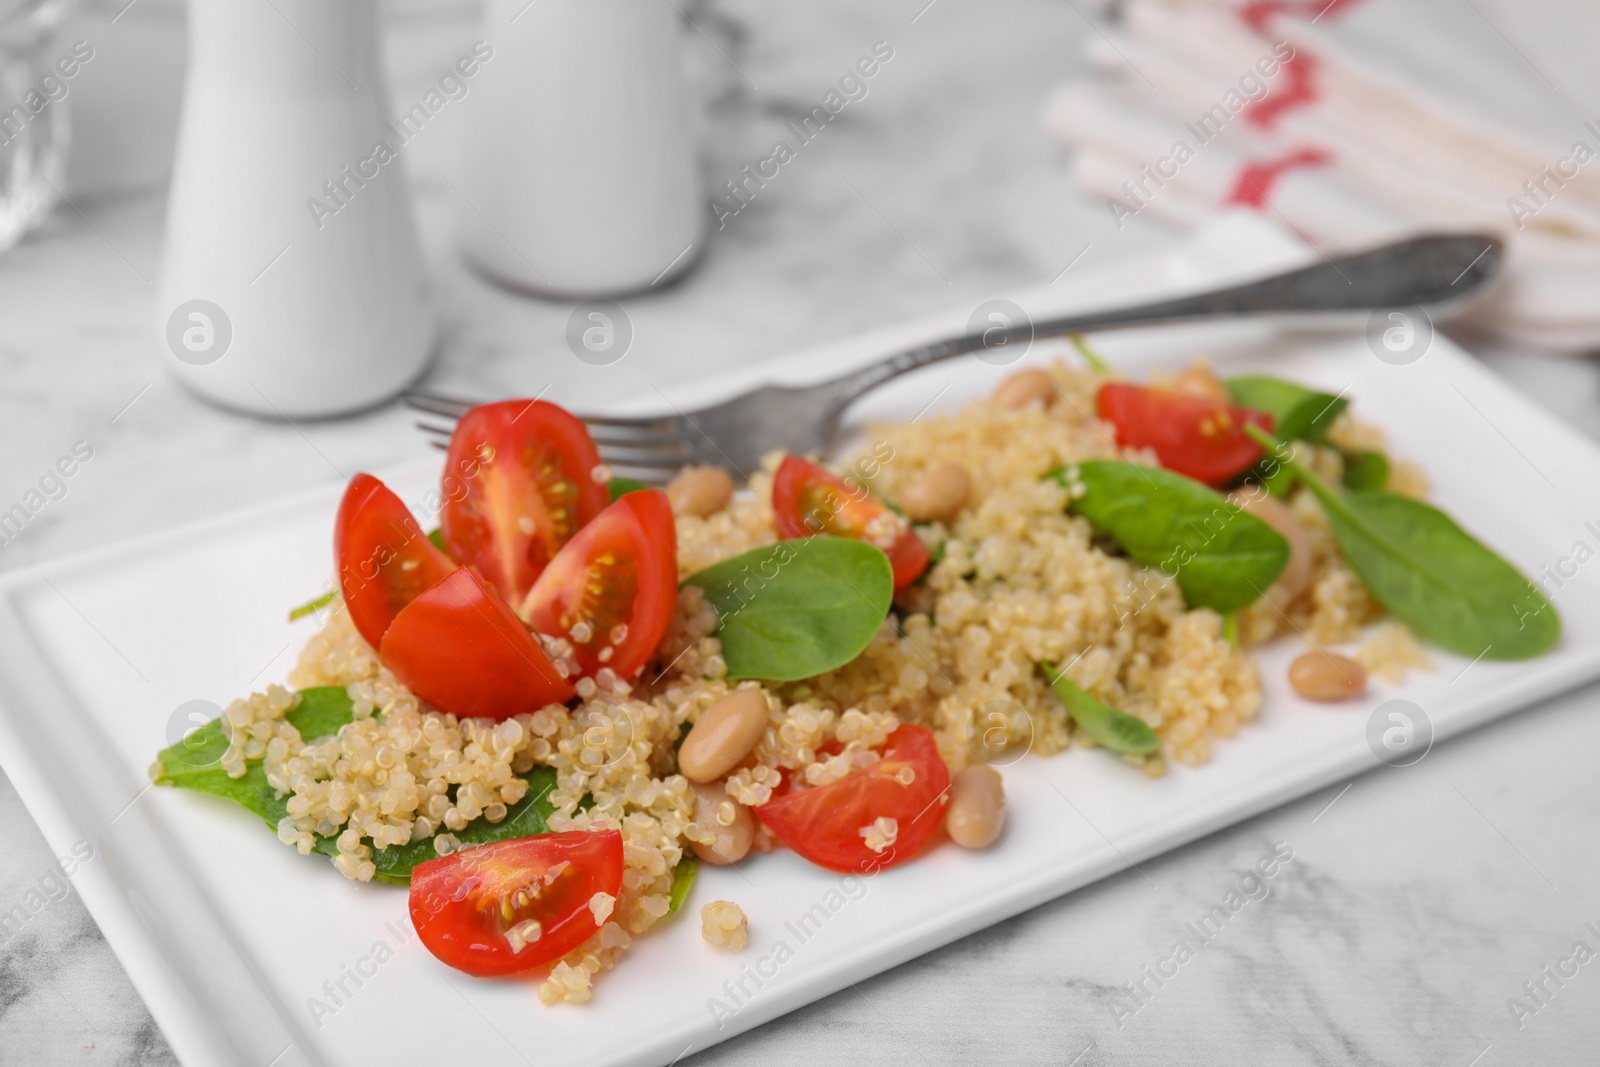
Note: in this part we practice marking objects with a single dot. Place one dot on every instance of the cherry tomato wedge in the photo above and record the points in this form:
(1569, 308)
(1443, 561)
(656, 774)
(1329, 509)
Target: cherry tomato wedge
(460, 648)
(518, 483)
(385, 560)
(513, 906)
(909, 784)
(1198, 438)
(809, 500)
(611, 591)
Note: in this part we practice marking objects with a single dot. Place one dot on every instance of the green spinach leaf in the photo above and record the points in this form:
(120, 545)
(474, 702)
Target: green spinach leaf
(618, 486)
(1431, 574)
(193, 763)
(795, 609)
(526, 818)
(682, 881)
(436, 536)
(1106, 727)
(1298, 413)
(1365, 470)
(1221, 556)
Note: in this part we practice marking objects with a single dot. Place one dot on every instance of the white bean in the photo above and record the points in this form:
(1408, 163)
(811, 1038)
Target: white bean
(724, 735)
(1296, 576)
(1327, 676)
(700, 491)
(1198, 380)
(1025, 387)
(733, 841)
(977, 809)
(937, 494)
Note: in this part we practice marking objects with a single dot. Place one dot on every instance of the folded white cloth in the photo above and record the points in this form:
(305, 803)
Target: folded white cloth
(1350, 122)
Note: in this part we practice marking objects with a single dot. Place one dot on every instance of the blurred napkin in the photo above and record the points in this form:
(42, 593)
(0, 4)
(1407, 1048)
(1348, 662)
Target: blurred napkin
(1350, 122)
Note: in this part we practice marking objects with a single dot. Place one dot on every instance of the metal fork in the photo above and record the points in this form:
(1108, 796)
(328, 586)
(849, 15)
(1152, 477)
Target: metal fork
(1428, 271)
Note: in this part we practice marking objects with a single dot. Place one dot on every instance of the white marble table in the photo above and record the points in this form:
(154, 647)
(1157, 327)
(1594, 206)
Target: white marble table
(1417, 902)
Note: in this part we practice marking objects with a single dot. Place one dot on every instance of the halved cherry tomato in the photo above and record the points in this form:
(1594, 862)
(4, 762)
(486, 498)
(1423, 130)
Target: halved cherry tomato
(808, 500)
(1198, 438)
(460, 648)
(909, 784)
(611, 591)
(472, 908)
(385, 559)
(518, 483)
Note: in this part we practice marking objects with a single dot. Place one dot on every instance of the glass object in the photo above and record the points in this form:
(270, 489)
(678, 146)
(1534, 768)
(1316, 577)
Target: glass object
(34, 123)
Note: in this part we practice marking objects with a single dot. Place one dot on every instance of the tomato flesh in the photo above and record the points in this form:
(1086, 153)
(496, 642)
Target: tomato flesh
(809, 500)
(384, 559)
(610, 592)
(1193, 436)
(460, 648)
(825, 824)
(518, 484)
(470, 908)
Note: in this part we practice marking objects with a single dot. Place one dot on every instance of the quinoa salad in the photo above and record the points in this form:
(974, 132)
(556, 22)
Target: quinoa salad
(544, 715)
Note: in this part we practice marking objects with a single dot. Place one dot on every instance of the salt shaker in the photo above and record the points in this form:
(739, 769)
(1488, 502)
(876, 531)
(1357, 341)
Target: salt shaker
(580, 174)
(292, 282)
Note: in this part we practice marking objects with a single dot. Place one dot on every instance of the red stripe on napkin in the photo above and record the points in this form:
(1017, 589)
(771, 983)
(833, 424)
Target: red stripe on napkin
(1297, 89)
(1254, 185)
(1258, 12)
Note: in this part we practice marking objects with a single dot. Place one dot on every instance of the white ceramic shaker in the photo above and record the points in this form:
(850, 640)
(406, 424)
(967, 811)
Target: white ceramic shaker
(580, 174)
(292, 283)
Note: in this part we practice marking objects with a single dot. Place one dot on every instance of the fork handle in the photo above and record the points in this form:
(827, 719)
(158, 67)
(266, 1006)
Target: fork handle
(1421, 271)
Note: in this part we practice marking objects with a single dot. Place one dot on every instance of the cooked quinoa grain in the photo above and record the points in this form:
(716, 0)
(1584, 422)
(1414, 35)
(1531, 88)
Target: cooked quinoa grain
(723, 924)
(1392, 650)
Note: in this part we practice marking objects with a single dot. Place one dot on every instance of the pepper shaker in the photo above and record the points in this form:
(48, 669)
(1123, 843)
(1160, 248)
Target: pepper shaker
(580, 174)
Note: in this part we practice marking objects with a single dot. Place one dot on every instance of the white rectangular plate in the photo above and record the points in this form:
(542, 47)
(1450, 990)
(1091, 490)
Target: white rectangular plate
(235, 940)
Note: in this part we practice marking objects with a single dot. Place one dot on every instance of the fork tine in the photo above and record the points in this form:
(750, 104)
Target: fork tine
(656, 461)
(661, 460)
(666, 427)
(642, 454)
(654, 478)
(660, 423)
(608, 437)
(437, 403)
(653, 474)
(648, 447)
(681, 449)
(611, 439)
